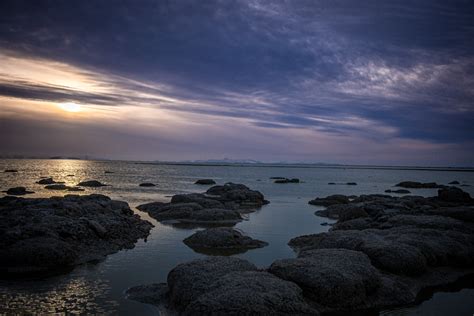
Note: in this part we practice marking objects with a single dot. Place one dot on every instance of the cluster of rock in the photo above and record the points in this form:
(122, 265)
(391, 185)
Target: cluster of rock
(47, 235)
(221, 204)
(382, 252)
(222, 240)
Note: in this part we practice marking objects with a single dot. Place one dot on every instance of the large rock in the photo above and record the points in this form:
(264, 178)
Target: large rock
(220, 204)
(453, 194)
(338, 278)
(46, 235)
(224, 286)
(221, 238)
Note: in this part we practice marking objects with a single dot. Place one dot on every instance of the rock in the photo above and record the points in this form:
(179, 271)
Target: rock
(330, 200)
(18, 191)
(91, 183)
(453, 194)
(49, 235)
(338, 278)
(295, 180)
(188, 281)
(221, 238)
(343, 212)
(70, 175)
(48, 181)
(57, 187)
(147, 184)
(419, 185)
(465, 185)
(401, 191)
(351, 183)
(454, 182)
(331, 183)
(224, 286)
(277, 178)
(11, 170)
(205, 181)
(74, 189)
(108, 172)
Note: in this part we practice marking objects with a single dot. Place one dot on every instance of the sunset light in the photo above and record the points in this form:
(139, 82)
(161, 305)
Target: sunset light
(70, 107)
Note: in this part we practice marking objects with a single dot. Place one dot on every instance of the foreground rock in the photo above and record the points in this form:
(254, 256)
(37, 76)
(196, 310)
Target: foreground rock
(410, 243)
(205, 182)
(18, 191)
(91, 183)
(419, 185)
(224, 286)
(221, 204)
(221, 240)
(47, 235)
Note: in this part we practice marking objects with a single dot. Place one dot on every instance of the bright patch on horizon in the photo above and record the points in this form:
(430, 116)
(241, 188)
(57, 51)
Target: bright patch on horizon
(70, 107)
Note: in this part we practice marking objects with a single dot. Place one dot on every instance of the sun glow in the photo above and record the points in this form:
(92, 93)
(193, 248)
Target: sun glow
(70, 107)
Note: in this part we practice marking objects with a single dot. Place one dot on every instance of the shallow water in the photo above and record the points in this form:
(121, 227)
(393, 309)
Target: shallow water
(97, 288)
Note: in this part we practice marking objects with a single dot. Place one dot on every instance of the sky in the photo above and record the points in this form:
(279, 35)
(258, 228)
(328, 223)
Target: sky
(355, 82)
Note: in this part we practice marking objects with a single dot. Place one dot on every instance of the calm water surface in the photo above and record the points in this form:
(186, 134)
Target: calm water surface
(98, 288)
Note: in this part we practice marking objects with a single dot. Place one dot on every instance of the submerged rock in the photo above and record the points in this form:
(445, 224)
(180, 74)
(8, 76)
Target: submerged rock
(18, 191)
(285, 180)
(222, 238)
(147, 184)
(419, 185)
(91, 183)
(221, 204)
(47, 181)
(226, 286)
(47, 235)
(205, 181)
(400, 191)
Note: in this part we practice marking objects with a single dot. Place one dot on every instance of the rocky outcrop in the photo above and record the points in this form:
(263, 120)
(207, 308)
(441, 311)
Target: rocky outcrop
(47, 181)
(221, 204)
(147, 184)
(419, 185)
(91, 183)
(18, 191)
(400, 191)
(47, 235)
(221, 239)
(205, 182)
(224, 286)
(285, 180)
(330, 200)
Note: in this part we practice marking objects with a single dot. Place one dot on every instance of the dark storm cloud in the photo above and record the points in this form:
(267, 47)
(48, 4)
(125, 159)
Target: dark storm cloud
(375, 69)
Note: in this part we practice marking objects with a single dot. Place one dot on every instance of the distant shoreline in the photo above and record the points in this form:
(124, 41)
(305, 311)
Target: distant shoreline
(267, 165)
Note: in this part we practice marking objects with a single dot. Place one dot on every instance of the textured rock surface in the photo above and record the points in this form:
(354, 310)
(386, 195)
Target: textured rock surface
(221, 238)
(220, 204)
(46, 234)
(225, 286)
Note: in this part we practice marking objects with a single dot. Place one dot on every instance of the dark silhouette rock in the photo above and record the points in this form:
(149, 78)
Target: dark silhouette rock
(58, 187)
(91, 183)
(108, 172)
(147, 184)
(48, 181)
(419, 185)
(18, 191)
(294, 180)
(205, 182)
(351, 183)
(222, 238)
(400, 191)
(454, 182)
(330, 200)
(10, 170)
(453, 194)
(51, 234)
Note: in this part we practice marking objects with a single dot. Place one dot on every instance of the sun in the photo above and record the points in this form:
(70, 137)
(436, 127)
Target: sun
(70, 107)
